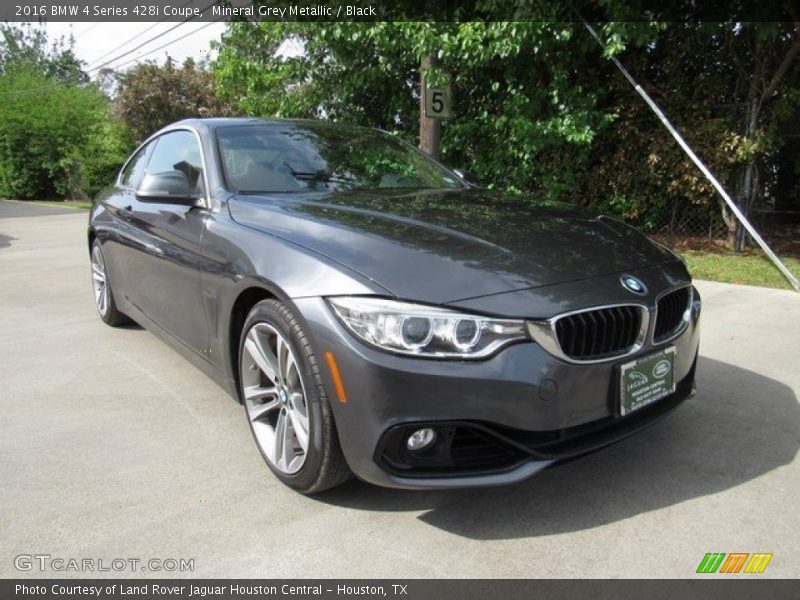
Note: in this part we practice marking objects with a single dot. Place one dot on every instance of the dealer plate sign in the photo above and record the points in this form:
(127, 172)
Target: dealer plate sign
(646, 380)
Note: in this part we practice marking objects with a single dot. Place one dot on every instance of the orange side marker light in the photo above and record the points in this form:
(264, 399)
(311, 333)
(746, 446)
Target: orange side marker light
(336, 376)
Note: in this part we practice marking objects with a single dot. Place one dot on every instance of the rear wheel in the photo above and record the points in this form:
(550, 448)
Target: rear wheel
(101, 286)
(285, 401)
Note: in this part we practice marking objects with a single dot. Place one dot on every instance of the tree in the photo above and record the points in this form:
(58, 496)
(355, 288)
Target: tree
(56, 134)
(538, 107)
(763, 62)
(26, 46)
(511, 105)
(55, 139)
(732, 89)
(150, 96)
(345, 71)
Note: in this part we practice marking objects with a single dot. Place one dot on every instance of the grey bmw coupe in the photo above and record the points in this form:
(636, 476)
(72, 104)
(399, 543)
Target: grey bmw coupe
(377, 315)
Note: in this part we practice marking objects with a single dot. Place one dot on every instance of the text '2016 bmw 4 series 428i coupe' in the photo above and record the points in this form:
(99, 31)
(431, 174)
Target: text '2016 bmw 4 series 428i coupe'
(377, 315)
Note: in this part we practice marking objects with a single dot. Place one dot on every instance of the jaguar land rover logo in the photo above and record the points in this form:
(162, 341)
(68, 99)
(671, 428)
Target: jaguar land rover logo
(630, 283)
(662, 368)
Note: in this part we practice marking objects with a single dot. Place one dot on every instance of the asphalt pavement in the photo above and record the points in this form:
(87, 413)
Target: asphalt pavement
(114, 447)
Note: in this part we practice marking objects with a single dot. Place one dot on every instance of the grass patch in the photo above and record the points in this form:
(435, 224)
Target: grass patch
(746, 269)
(81, 204)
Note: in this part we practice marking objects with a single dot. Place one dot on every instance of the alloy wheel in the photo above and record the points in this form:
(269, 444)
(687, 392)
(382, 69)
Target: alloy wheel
(275, 398)
(99, 281)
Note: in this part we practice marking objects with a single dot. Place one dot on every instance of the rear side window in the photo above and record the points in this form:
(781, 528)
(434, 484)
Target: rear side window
(134, 171)
(179, 151)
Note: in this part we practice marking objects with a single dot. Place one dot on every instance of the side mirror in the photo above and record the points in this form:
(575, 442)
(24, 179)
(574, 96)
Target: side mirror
(169, 186)
(466, 176)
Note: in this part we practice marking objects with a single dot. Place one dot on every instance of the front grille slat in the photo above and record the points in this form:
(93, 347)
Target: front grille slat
(571, 327)
(623, 324)
(670, 311)
(584, 335)
(573, 335)
(619, 338)
(630, 327)
(599, 333)
(611, 338)
(593, 339)
(602, 339)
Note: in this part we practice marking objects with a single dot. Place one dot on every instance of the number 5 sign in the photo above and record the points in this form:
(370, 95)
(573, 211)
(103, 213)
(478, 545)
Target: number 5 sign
(438, 102)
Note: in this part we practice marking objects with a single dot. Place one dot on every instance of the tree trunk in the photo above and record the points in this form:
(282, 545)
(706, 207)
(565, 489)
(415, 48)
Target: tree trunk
(430, 130)
(747, 193)
(731, 223)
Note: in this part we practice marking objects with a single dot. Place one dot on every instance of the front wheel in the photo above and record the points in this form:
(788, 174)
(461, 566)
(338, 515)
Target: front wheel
(285, 401)
(101, 286)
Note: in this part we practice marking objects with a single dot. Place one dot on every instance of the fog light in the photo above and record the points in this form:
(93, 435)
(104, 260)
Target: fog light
(421, 439)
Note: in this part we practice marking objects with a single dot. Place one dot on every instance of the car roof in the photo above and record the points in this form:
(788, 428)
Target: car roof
(217, 122)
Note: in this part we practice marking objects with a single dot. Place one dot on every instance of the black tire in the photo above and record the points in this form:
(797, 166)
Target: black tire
(324, 465)
(108, 311)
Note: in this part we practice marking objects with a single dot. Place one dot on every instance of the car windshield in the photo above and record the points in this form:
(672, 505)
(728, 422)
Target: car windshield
(292, 158)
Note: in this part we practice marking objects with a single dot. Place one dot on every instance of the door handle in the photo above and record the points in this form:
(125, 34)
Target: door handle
(125, 211)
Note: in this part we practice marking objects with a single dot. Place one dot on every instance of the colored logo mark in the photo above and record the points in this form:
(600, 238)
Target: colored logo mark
(630, 283)
(734, 562)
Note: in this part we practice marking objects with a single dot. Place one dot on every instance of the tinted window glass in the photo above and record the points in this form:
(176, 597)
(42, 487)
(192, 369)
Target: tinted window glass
(134, 170)
(179, 151)
(320, 157)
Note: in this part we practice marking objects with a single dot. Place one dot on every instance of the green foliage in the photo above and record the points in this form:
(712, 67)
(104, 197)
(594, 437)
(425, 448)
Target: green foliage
(519, 110)
(703, 76)
(367, 82)
(55, 139)
(108, 146)
(26, 46)
(56, 133)
(538, 106)
(539, 109)
(150, 96)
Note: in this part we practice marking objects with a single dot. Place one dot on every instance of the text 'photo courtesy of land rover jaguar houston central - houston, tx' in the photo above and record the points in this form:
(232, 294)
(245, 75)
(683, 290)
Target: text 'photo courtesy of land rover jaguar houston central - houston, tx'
(377, 315)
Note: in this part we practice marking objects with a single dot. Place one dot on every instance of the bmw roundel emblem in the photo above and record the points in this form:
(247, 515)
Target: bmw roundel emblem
(630, 283)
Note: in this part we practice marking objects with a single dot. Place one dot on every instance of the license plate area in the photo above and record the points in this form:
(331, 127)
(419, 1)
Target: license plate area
(646, 380)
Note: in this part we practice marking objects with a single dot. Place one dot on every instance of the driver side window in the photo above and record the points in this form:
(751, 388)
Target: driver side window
(135, 168)
(179, 151)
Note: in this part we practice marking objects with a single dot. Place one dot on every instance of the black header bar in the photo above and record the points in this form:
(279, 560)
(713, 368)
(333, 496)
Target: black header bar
(393, 10)
(709, 587)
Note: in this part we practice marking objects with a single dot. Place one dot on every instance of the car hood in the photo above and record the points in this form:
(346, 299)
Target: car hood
(443, 246)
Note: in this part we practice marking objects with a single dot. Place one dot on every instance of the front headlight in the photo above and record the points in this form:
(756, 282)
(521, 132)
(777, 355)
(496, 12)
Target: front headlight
(425, 331)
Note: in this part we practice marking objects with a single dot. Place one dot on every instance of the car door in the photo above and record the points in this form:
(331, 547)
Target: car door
(113, 224)
(165, 260)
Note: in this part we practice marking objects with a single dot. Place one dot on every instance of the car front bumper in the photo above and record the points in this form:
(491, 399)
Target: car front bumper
(510, 416)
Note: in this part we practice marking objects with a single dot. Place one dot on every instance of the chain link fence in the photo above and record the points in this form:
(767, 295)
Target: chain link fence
(704, 230)
(700, 233)
(688, 226)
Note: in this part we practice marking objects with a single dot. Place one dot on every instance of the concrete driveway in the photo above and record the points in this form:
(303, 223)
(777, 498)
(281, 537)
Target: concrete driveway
(113, 446)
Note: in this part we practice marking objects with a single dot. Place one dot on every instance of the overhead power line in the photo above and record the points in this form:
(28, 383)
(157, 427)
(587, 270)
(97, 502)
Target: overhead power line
(178, 39)
(146, 42)
(43, 88)
(89, 28)
(135, 37)
(129, 52)
(123, 44)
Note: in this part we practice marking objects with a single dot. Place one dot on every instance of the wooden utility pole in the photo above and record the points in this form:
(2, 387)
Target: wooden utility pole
(430, 130)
